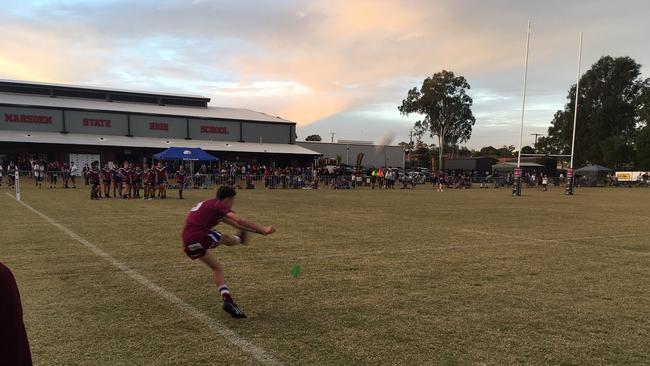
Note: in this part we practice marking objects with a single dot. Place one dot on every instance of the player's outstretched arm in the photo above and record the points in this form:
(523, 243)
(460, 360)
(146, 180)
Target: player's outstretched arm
(244, 224)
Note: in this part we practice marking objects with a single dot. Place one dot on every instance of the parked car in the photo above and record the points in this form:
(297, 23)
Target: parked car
(418, 177)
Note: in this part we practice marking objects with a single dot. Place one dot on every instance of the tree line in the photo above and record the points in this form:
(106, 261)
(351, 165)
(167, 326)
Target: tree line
(612, 124)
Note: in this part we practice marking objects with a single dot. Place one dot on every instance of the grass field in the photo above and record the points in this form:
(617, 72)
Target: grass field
(417, 277)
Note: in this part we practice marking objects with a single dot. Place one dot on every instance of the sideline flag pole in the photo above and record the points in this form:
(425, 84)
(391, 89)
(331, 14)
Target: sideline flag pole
(516, 191)
(570, 179)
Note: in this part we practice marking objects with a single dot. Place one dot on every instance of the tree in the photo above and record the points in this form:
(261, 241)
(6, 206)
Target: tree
(488, 151)
(446, 107)
(527, 150)
(643, 148)
(313, 138)
(609, 113)
(506, 151)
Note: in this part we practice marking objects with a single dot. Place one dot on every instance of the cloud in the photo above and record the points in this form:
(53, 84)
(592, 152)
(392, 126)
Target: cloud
(347, 63)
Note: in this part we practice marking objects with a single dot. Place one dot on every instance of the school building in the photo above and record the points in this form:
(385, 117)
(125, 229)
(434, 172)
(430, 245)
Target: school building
(81, 124)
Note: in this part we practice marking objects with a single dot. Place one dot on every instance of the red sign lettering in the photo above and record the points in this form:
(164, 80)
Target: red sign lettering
(27, 118)
(158, 126)
(214, 129)
(91, 122)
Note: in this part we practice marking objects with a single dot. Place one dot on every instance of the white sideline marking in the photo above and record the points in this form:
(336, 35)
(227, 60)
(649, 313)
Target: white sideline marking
(259, 354)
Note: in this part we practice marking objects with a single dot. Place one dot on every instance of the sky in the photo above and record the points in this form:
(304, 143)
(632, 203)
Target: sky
(338, 67)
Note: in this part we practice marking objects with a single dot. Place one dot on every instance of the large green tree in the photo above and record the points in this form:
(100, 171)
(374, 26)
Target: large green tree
(447, 109)
(609, 107)
(643, 148)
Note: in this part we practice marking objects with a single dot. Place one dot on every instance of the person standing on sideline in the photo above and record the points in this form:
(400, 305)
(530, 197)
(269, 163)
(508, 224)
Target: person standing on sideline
(106, 180)
(85, 171)
(2, 169)
(65, 174)
(544, 182)
(161, 173)
(117, 180)
(137, 181)
(11, 173)
(93, 180)
(74, 172)
(180, 180)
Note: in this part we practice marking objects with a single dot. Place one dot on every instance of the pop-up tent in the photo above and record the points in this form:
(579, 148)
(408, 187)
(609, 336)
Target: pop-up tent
(185, 153)
(592, 175)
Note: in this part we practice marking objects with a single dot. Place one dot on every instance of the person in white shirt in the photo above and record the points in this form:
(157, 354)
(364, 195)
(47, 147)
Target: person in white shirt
(1, 173)
(74, 172)
(38, 174)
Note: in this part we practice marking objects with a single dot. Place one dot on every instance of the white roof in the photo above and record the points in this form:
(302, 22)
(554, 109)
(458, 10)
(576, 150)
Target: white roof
(149, 142)
(199, 112)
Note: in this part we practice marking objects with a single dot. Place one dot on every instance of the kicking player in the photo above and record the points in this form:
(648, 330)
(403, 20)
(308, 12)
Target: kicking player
(198, 237)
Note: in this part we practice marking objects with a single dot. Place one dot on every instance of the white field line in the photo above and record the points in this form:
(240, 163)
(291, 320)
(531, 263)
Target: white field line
(258, 353)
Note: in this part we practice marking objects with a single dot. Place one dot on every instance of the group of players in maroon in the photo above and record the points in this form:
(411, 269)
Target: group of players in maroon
(129, 179)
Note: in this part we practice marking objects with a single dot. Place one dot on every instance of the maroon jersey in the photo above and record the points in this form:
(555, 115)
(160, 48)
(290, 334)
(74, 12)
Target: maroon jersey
(180, 176)
(203, 217)
(106, 174)
(150, 176)
(162, 172)
(14, 346)
(124, 174)
(137, 175)
(93, 176)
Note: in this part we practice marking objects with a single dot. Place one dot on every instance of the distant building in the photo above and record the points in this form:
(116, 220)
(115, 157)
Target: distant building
(67, 122)
(374, 156)
(479, 164)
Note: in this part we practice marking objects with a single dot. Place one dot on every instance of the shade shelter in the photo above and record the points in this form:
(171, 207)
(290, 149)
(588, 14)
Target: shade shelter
(592, 175)
(185, 153)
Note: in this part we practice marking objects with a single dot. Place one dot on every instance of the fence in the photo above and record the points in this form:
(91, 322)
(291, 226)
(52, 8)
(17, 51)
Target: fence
(308, 180)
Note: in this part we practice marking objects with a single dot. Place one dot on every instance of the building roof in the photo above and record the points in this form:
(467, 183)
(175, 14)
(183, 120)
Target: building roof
(180, 111)
(339, 143)
(92, 88)
(149, 142)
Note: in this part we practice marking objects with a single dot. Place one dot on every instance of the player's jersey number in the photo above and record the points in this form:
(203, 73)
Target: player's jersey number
(196, 208)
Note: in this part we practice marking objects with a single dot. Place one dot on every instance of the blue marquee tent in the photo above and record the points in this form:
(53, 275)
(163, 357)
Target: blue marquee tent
(185, 153)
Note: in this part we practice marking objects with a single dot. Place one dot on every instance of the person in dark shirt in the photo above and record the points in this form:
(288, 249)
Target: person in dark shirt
(137, 181)
(106, 180)
(161, 171)
(93, 180)
(125, 178)
(198, 237)
(180, 180)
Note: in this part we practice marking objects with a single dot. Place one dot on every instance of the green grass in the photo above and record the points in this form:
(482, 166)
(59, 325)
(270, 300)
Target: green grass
(388, 277)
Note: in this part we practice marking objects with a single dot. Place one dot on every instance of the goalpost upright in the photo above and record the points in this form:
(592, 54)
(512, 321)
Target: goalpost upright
(516, 187)
(570, 176)
(516, 191)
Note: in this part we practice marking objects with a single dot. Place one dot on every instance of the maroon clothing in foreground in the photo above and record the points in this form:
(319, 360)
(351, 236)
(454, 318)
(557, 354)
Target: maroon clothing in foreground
(14, 346)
